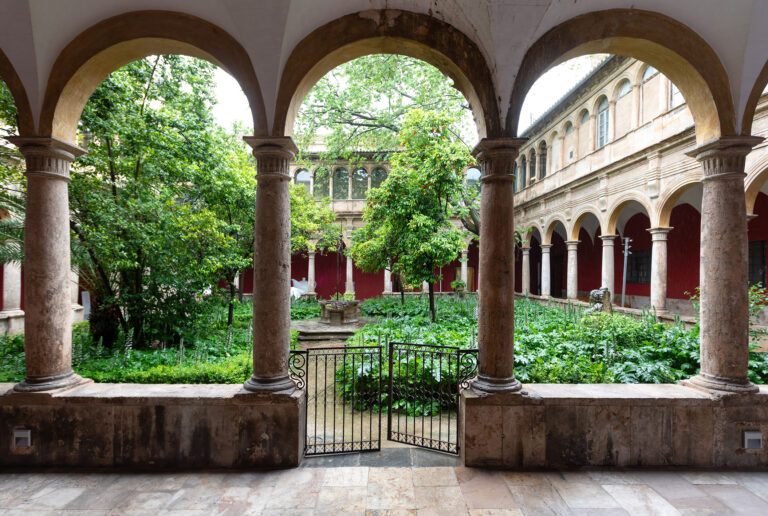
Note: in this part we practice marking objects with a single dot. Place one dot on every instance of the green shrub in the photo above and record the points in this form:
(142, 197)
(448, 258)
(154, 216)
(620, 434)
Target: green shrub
(304, 309)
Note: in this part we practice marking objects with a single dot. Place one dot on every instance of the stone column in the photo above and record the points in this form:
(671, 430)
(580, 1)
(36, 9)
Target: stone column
(609, 241)
(47, 280)
(546, 275)
(526, 270)
(425, 286)
(387, 281)
(576, 131)
(349, 287)
(723, 267)
(562, 153)
(464, 271)
(573, 268)
(11, 287)
(659, 268)
(496, 319)
(311, 274)
(611, 121)
(272, 265)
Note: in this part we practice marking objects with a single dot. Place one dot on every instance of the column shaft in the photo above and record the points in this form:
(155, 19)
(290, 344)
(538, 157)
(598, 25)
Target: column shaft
(526, 270)
(608, 275)
(659, 268)
(724, 315)
(546, 275)
(387, 281)
(311, 274)
(464, 270)
(349, 287)
(496, 320)
(47, 280)
(271, 265)
(573, 269)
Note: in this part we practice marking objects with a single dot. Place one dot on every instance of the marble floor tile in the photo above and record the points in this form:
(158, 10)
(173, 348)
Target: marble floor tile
(738, 499)
(430, 476)
(581, 492)
(346, 477)
(640, 499)
(484, 489)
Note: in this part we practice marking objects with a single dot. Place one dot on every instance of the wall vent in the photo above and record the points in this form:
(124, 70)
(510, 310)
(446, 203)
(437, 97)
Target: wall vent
(753, 439)
(22, 438)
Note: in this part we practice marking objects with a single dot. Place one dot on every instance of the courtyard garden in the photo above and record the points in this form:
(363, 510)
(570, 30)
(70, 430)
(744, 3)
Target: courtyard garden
(552, 345)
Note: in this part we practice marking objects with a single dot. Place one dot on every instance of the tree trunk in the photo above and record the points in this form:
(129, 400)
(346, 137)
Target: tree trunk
(104, 322)
(432, 300)
(231, 307)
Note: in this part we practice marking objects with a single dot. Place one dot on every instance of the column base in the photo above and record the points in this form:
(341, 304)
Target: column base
(309, 295)
(720, 384)
(484, 385)
(66, 380)
(273, 384)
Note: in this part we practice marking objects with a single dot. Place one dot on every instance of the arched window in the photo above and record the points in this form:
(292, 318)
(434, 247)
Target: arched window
(514, 173)
(602, 123)
(542, 160)
(649, 73)
(523, 170)
(322, 183)
(584, 117)
(675, 97)
(473, 177)
(532, 166)
(303, 178)
(377, 177)
(568, 142)
(340, 184)
(624, 88)
(359, 183)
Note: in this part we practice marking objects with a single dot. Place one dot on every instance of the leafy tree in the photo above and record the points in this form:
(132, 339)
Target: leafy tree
(11, 183)
(408, 219)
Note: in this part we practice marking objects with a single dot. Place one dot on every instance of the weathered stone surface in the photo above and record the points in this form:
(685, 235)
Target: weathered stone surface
(155, 426)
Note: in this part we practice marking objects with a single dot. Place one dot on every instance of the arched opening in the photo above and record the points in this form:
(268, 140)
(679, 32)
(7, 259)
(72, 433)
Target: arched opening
(623, 119)
(568, 142)
(523, 172)
(556, 236)
(340, 184)
(662, 42)
(321, 188)
(378, 176)
(683, 246)
(117, 41)
(602, 123)
(391, 32)
(532, 166)
(586, 230)
(303, 178)
(359, 185)
(473, 178)
(631, 220)
(542, 160)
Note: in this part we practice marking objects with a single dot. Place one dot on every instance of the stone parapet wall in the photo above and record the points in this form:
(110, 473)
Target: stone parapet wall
(154, 426)
(611, 425)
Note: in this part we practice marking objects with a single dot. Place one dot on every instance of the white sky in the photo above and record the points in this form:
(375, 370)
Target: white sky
(233, 106)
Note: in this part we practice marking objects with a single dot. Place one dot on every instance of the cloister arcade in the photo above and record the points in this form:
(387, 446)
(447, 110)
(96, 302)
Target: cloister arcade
(53, 56)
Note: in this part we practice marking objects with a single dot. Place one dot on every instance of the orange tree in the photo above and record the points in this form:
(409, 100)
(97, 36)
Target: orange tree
(408, 225)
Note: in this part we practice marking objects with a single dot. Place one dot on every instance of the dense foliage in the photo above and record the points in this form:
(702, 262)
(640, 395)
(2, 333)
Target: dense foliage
(214, 355)
(407, 219)
(552, 345)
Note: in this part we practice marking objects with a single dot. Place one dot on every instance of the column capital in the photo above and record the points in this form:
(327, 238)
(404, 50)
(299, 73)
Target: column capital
(545, 248)
(659, 233)
(497, 157)
(725, 156)
(47, 156)
(609, 239)
(572, 244)
(273, 156)
(526, 250)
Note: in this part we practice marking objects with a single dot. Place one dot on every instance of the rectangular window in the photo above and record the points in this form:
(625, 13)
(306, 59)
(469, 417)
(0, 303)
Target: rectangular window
(639, 267)
(757, 262)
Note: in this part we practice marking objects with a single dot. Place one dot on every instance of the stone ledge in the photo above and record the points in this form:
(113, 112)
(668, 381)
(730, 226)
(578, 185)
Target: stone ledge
(125, 425)
(607, 425)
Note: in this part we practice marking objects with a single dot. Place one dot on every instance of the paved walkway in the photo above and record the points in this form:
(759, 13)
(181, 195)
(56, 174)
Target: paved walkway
(383, 491)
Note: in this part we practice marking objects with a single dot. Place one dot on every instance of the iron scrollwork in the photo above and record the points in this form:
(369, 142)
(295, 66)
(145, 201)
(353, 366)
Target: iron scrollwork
(297, 368)
(467, 367)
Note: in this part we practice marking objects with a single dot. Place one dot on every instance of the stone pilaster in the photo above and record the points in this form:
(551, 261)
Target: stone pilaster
(349, 287)
(311, 274)
(47, 280)
(387, 281)
(496, 361)
(526, 271)
(546, 275)
(723, 267)
(272, 265)
(608, 275)
(659, 268)
(573, 268)
(464, 271)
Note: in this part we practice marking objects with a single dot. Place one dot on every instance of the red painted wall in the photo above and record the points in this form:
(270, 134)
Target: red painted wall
(683, 251)
(637, 230)
(590, 261)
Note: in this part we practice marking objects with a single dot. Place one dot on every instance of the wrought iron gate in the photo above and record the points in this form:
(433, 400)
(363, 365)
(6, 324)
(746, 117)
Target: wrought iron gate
(344, 389)
(425, 382)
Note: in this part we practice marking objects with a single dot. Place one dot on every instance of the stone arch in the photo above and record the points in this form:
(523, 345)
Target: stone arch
(11, 79)
(103, 48)
(754, 97)
(670, 196)
(546, 236)
(598, 98)
(621, 203)
(757, 175)
(668, 45)
(578, 221)
(394, 32)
